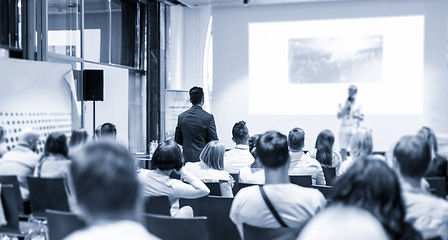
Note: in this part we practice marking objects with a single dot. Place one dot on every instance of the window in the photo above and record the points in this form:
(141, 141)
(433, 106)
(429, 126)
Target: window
(111, 31)
(11, 25)
(64, 27)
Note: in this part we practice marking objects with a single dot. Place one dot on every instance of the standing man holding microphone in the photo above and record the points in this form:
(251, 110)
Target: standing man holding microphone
(350, 115)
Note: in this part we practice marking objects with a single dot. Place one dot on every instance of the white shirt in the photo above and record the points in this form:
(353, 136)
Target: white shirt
(349, 121)
(237, 158)
(119, 230)
(20, 162)
(252, 175)
(295, 205)
(157, 183)
(206, 173)
(345, 165)
(302, 164)
(427, 213)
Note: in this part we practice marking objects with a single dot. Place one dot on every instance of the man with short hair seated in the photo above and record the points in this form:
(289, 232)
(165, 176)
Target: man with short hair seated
(22, 160)
(240, 156)
(108, 131)
(294, 204)
(107, 192)
(427, 213)
(301, 163)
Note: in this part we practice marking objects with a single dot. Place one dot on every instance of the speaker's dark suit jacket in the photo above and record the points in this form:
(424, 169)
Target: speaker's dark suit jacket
(195, 128)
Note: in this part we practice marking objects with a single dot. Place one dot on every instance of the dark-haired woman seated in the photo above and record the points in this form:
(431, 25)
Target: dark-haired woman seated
(157, 182)
(371, 185)
(54, 163)
(324, 152)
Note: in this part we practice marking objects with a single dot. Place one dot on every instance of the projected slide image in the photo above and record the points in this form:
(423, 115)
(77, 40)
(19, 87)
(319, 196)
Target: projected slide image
(351, 59)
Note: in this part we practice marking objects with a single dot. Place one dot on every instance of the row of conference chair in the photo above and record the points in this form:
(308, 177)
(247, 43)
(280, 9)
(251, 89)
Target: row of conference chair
(61, 224)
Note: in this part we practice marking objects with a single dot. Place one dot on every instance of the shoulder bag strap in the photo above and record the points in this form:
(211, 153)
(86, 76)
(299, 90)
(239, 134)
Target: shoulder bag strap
(271, 207)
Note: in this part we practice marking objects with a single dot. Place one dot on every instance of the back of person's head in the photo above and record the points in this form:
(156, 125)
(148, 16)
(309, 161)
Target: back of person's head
(56, 143)
(2, 133)
(196, 95)
(98, 131)
(296, 138)
(29, 137)
(361, 143)
(428, 134)
(413, 155)
(105, 181)
(78, 137)
(253, 144)
(324, 147)
(272, 150)
(240, 132)
(213, 155)
(343, 223)
(370, 184)
(108, 130)
(167, 156)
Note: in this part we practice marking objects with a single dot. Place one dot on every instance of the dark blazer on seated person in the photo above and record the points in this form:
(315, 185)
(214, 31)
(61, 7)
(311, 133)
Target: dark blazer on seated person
(195, 128)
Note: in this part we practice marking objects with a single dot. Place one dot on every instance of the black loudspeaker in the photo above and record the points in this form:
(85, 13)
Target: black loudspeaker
(93, 85)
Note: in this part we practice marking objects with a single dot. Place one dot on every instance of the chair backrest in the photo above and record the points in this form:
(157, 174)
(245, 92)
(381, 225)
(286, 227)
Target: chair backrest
(325, 190)
(170, 228)
(14, 182)
(158, 205)
(215, 188)
(437, 186)
(219, 224)
(257, 233)
(330, 175)
(302, 180)
(199, 205)
(47, 193)
(10, 209)
(236, 186)
(61, 224)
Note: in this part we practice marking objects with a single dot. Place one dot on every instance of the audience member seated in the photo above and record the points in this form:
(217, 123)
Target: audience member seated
(324, 153)
(78, 138)
(438, 165)
(361, 146)
(157, 182)
(343, 223)
(22, 159)
(210, 167)
(54, 163)
(108, 193)
(2, 140)
(371, 185)
(255, 173)
(294, 204)
(253, 144)
(427, 213)
(98, 132)
(302, 164)
(108, 131)
(240, 156)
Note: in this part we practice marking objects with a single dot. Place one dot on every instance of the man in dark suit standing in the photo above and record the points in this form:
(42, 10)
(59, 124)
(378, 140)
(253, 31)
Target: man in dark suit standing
(195, 127)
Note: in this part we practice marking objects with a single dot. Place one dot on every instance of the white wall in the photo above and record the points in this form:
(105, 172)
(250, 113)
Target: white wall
(34, 95)
(231, 68)
(114, 108)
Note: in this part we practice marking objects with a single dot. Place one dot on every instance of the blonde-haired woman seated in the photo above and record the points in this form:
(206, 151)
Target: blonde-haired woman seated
(361, 145)
(210, 167)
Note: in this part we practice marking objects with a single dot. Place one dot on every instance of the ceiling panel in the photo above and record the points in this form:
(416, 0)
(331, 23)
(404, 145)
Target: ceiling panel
(197, 3)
